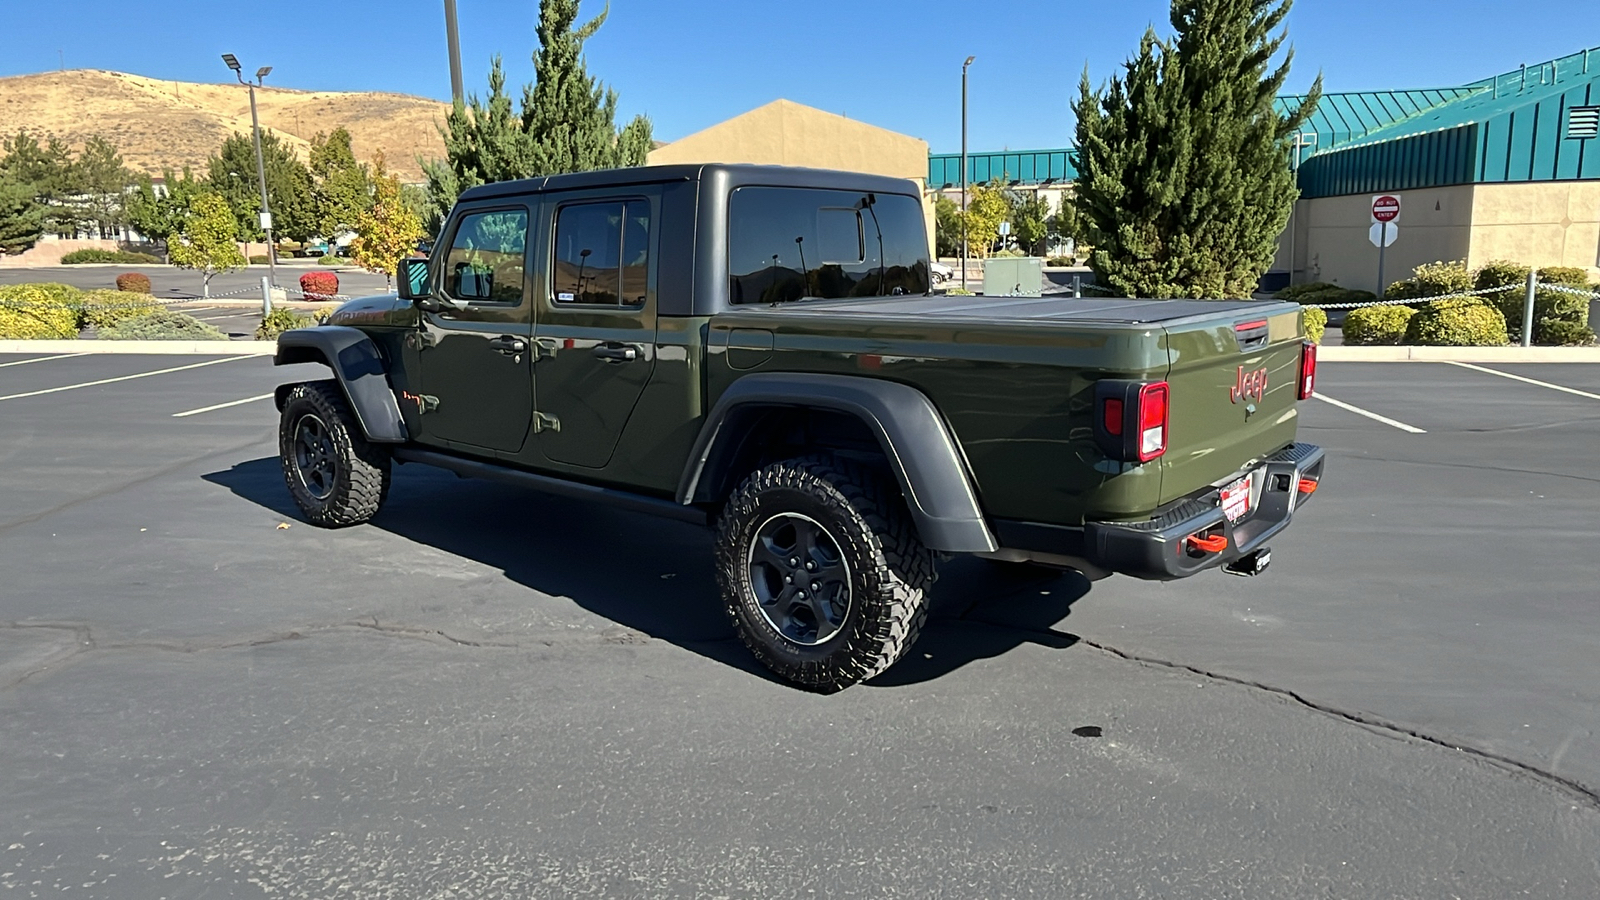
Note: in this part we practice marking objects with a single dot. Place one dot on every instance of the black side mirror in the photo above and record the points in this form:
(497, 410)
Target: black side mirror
(412, 279)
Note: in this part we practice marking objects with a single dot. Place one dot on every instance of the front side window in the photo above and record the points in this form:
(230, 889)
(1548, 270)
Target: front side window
(792, 243)
(485, 262)
(602, 253)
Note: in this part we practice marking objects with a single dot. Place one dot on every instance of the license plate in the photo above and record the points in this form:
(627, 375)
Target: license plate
(1236, 499)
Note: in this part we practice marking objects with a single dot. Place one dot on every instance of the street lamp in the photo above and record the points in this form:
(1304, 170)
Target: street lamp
(964, 170)
(261, 167)
(452, 36)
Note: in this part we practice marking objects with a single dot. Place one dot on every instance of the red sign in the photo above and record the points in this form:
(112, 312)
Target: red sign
(1386, 208)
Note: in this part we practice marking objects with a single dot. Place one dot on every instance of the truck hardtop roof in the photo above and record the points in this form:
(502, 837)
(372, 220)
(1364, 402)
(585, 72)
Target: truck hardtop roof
(733, 174)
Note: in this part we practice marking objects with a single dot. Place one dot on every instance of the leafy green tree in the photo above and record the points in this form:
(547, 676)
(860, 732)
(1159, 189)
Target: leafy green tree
(1066, 222)
(1030, 215)
(161, 214)
(209, 239)
(232, 174)
(21, 215)
(341, 188)
(987, 207)
(1183, 161)
(98, 182)
(566, 122)
(386, 232)
(946, 226)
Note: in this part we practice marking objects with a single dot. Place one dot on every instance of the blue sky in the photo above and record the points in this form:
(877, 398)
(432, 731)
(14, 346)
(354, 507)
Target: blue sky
(691, 63)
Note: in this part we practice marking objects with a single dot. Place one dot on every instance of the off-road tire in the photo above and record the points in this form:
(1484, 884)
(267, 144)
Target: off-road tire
(360, 472)
(889, 570)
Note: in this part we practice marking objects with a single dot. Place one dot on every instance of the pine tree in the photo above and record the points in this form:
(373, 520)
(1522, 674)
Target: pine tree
(232, 172)
(21, 215)
(567, 120)
(1184, 180)
(341, 188)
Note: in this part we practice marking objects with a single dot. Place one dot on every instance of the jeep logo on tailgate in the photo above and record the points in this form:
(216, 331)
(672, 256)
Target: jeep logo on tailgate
(1251, 384)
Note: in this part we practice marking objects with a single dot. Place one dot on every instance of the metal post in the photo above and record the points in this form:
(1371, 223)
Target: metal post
(1527, 309)
(1383, 244)
(964, 171)
(1077, 286)
(452, 35)
(261, 172)
(266, 296)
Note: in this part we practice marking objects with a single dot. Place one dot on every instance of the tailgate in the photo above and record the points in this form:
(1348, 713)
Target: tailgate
(1235, 383)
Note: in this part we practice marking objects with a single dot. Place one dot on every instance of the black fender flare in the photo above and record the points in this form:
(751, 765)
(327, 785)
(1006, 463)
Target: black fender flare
(920, 449)
(359, 369)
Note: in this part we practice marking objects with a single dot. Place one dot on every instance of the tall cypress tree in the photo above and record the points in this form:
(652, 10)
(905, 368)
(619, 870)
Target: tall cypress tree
(567, 121)
(1184, 176)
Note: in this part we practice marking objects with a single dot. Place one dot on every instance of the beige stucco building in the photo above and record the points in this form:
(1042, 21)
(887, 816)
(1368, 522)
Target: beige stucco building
(786, 133)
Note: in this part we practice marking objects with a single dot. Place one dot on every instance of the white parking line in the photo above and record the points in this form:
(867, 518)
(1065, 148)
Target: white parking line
(23, 362)
(1553, 387)
(1371, 415)
(206, 409)
(70, 387)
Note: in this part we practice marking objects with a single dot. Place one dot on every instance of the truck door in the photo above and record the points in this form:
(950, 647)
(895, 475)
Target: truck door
(596, 327)
(474, 352)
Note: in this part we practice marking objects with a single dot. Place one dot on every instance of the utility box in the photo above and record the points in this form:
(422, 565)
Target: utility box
(1020, 276)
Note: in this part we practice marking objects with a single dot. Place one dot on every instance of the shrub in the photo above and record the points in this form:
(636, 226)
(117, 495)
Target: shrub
(162, 325)
(319, 285)
(94, 255)
(1316, 322)
(259, 260)
(1334, 294)
(1571, 276)
(1556, 333)
(133, 282)
(1293, 291)
(1059, 261)
(328, 259)
(280, 320)
(1377, 324)
(102, 309)
(28, 312)
(1457, 323)
(1435, 279)
(959, 292)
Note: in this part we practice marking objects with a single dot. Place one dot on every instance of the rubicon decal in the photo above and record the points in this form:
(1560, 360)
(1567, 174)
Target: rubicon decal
(1250, 385)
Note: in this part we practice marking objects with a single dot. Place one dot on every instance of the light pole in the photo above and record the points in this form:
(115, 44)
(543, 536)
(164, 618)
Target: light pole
(964, 170)
(452, 35)
(1300, 143)
(261, 167)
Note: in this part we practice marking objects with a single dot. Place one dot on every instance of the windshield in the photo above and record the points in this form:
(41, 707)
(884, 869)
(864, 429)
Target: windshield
(795, 243)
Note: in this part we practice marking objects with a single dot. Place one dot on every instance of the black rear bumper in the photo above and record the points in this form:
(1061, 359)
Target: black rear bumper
(1159, 549)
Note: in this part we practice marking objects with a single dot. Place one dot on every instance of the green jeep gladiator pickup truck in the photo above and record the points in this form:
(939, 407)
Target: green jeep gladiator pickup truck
(757, 349)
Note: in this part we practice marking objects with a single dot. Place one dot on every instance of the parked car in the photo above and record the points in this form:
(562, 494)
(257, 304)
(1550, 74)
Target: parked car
(939, 272)
(756, 349)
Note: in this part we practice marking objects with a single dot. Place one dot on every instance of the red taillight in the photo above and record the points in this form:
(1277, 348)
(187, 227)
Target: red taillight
(1308, 370)
(1113, 416)
(1153, 420)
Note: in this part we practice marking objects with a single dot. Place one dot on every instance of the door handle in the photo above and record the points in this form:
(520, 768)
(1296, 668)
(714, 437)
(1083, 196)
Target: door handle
(620, 352)
(508, 344)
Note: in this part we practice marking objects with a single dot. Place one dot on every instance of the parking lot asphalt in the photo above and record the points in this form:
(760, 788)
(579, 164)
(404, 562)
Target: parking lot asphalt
(495, 693)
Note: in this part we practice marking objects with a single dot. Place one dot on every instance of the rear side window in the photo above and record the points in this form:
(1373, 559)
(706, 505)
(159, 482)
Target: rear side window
(602, 253)
(789, 243)
(486, 257)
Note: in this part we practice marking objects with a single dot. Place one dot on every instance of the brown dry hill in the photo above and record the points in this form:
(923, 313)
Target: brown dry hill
(171, 124)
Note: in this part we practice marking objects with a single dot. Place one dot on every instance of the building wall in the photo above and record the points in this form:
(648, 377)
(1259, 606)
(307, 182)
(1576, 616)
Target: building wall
(1332, 243)
(1552, 223)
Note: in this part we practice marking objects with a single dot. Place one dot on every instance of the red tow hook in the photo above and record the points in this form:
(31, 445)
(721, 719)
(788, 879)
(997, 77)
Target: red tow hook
(1214, 544)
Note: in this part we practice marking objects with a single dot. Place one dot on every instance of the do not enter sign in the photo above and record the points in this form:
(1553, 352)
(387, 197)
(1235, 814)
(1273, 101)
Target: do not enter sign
(1385, 208)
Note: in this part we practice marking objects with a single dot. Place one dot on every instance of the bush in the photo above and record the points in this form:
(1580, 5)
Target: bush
(31, 312)
(162, 325)
(1316, 322)
(959, 292)
(1457, 323)
(328, 259)
(1333, 294)
(1059, 261)
(280, 320)
(1293, 291)
(93, 255)
(1556, 333)
(259, 260)
(1377, 324)
(102, 309)
(319, 285)
(133, 283)
(1571, 276)
(1435, 279)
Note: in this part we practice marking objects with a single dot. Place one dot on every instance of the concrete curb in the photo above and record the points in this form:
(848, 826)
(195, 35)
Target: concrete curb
(1460, 354)
(163, 348)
